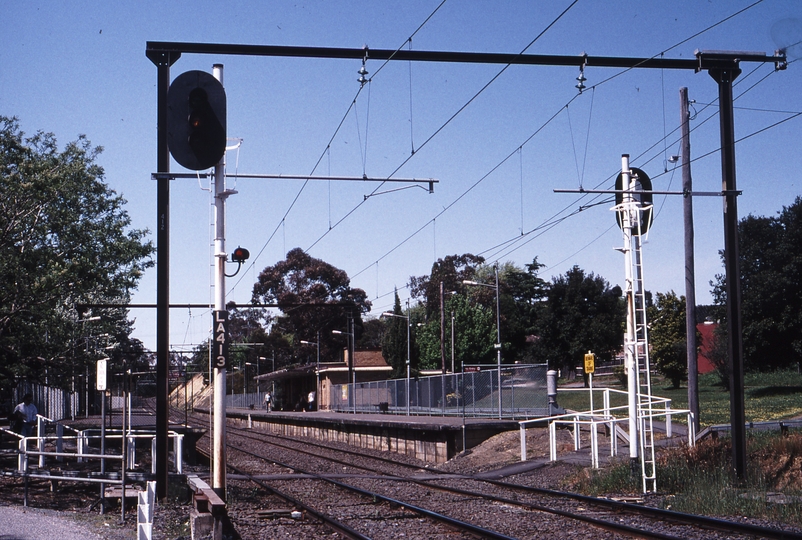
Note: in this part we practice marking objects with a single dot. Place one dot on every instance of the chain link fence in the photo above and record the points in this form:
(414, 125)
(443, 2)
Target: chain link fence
(53, 403)
(517, 391)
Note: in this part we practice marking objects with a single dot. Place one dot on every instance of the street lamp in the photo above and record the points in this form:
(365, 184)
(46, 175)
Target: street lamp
(257, 374)
(453, 368)
(391, 314)
(317, 345)
(317, 365)
(352, 361)
(498, 329)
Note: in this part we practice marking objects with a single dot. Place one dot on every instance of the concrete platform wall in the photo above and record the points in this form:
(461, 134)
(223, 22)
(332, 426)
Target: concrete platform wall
(436, 446)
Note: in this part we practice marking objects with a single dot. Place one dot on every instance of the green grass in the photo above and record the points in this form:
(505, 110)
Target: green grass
(767, 396)
(579, 399)
(698, 480)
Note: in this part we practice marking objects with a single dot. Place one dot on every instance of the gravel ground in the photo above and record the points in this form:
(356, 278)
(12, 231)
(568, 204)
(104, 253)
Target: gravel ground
(76, 503)
(72, 509)
(19, 523)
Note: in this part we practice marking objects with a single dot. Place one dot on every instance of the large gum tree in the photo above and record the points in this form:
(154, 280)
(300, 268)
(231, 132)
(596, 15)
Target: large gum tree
(65, 241)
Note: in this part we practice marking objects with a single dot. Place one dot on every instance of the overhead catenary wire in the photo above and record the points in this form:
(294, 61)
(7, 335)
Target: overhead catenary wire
(565, 106)
(466, 191)
(697, 158)
(327, 150)
(441, 213)
(518, 238)
(447, 122)
(548, 223)
(697, 34)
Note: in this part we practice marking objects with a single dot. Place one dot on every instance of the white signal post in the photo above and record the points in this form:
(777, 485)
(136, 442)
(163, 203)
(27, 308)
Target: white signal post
(629, 340)
(219, 350)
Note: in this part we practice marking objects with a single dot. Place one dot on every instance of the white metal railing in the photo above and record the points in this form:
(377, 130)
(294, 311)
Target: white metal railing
(82, 443)
(606, 417)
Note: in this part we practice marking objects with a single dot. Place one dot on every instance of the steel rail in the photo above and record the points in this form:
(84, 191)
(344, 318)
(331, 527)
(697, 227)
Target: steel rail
(452, 522)
(667, 515)
(600, 523)
(329, 521)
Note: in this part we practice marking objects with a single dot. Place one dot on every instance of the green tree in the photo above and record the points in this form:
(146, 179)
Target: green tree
(582, 313)
(372, 334)
(314, 298)
(394, 342)
(667, 337)
(65, 241)
(771, 290)
(447, 276)
(523, 293)
(474, 335)
(450, 271)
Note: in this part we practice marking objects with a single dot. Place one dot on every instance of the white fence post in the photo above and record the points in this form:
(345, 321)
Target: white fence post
(144, 514)
(131, 447)
(40, 443)
(523, 441)
(178, 445)
(153, 455)
(577, 442)
(22, 460)
(59, 441)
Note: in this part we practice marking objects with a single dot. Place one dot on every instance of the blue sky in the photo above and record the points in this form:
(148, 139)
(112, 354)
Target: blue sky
(79, 67)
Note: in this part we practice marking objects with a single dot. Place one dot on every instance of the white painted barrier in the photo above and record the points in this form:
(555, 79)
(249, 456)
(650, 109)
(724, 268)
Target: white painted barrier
(144, 512)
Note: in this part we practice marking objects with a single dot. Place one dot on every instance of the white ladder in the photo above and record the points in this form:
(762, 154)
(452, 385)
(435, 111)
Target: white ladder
(643, 369)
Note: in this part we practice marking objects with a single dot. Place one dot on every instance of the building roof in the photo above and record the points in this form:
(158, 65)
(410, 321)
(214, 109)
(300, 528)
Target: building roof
(369, 358)
(366, 360)
(288, 373)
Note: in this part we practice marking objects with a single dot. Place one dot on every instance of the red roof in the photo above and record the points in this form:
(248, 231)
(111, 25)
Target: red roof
(369, 358)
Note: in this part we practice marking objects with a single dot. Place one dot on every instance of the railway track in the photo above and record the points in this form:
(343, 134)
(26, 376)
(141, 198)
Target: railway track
(475, 506)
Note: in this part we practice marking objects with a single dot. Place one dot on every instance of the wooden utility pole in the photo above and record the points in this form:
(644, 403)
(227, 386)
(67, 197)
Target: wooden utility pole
(690, 283)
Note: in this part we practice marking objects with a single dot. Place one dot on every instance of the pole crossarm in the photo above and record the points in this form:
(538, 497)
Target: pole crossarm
(652, 192)
(705, 60)
(257, 176)
(232, 305)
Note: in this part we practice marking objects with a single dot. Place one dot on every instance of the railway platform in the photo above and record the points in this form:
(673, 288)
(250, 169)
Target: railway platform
(434, 439)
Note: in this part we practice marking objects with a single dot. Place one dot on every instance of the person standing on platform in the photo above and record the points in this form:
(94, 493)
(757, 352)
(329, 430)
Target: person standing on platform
(25, 413)
(268, 401)
(310, 405)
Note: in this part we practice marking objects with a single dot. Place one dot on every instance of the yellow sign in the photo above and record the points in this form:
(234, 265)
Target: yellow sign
(590, 362)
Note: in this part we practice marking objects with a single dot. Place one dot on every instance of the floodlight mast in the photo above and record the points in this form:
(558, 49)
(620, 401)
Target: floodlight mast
(722, 66)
